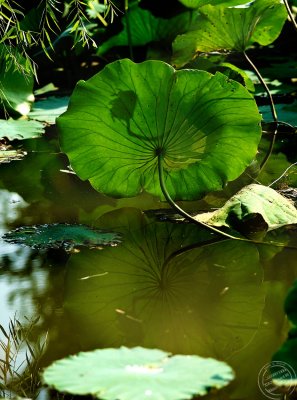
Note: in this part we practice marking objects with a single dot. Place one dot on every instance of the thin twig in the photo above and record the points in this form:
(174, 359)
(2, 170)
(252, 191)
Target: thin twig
(284, 173)
(291, 16)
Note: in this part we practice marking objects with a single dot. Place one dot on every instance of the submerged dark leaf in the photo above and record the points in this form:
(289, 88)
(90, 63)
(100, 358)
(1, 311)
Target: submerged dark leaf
(65, 236)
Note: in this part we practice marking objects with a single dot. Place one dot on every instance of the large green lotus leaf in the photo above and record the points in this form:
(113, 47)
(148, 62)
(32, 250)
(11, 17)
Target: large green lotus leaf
(60, 235)
(164, 287)
(137, 374)
(254, 208)
(200, 3)
(16, 88)
(205, 126)
(221, 28)
(146, 28)
(20, 129)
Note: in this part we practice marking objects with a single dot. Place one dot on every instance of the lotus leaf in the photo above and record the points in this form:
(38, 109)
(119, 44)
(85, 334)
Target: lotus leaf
(16, 90)
(200, 3)
(65, 236)
(20, 129)
(254, 208)
(286, 112)
(222, 28)
(120, 122)
(49, 109)
(146, 28)
(137, 374)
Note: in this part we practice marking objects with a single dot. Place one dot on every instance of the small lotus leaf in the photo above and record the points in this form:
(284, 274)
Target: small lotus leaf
(20, 129)
(137, 374)
(286, 113)
(122, 119)
(65, 236)
(49, 109)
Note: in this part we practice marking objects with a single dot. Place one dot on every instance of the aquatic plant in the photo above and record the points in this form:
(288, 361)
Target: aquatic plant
(136, 374)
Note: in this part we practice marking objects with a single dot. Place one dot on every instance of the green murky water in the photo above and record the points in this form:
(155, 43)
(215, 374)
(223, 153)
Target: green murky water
(167, 286)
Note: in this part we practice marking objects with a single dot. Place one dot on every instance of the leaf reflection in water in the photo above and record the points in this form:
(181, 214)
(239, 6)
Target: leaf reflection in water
(206, 301)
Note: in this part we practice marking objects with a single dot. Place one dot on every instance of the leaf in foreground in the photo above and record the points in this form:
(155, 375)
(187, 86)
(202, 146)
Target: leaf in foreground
(122, 119)
(136, 374)
(65, 236)
(254, 208)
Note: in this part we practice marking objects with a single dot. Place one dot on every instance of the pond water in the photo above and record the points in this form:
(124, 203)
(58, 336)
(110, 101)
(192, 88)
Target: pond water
(168, 285)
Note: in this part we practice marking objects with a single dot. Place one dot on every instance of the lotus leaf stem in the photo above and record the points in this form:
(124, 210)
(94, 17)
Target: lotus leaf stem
(273, 112)
(182, 212)
(129, 29)
(189, 218)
